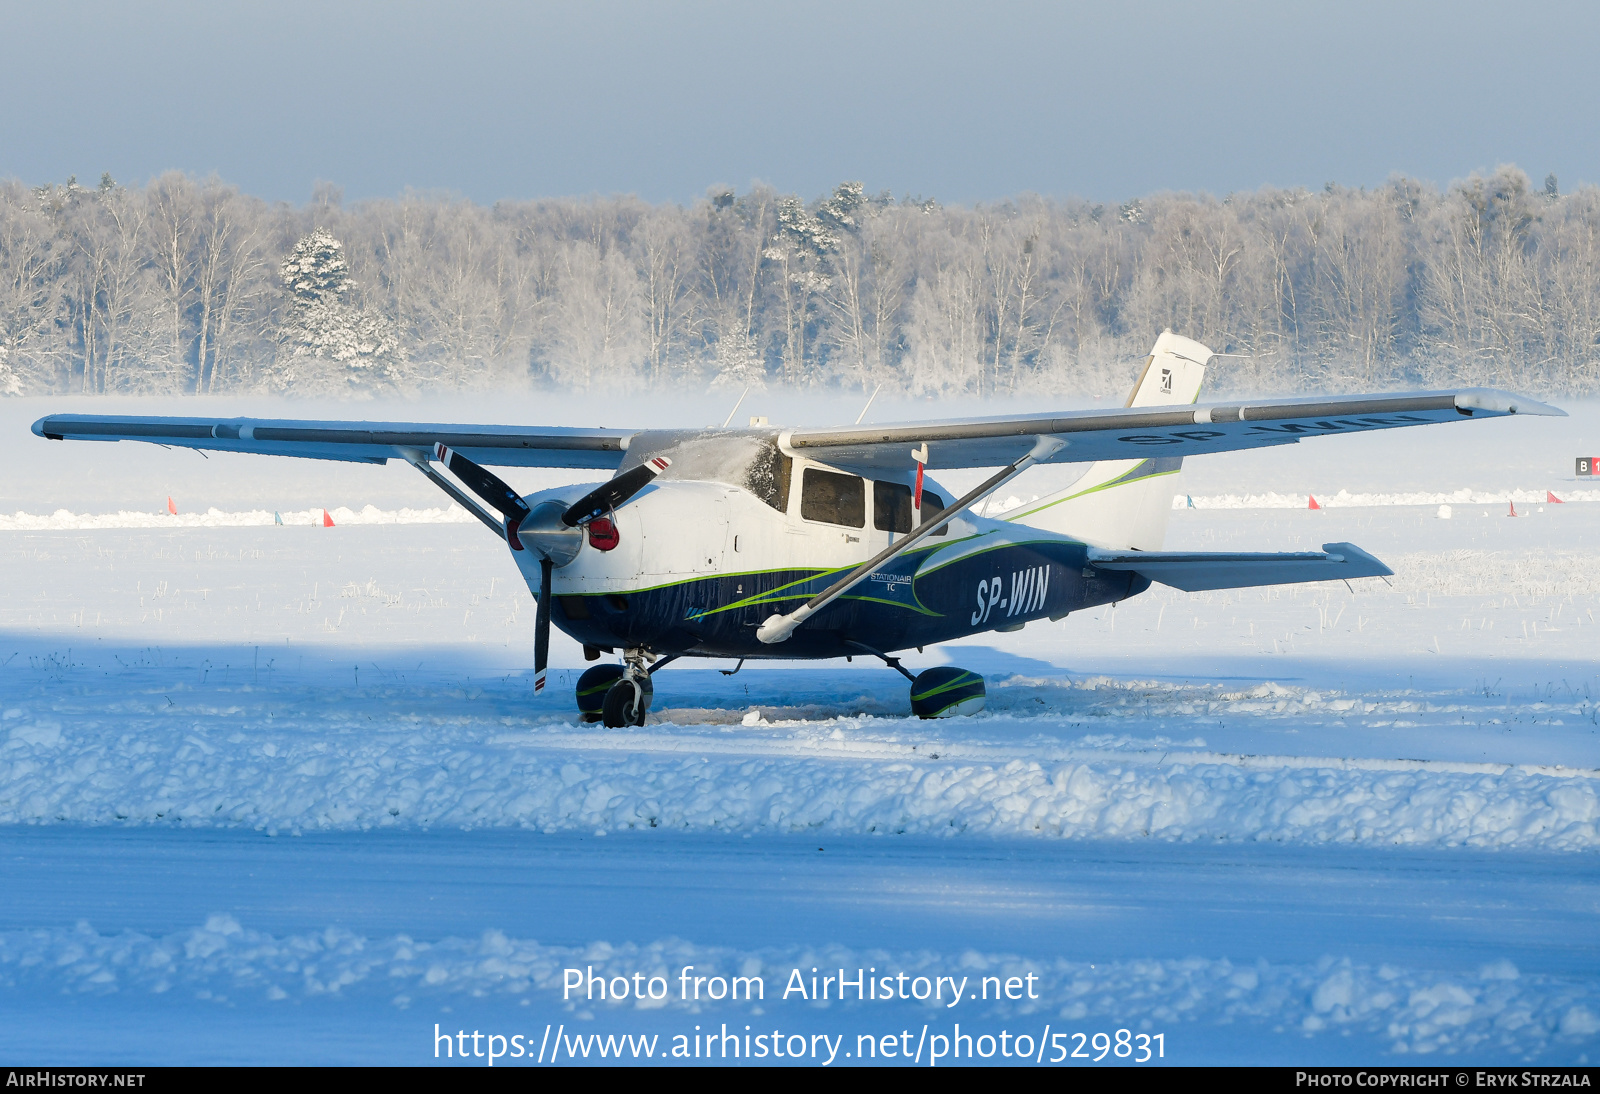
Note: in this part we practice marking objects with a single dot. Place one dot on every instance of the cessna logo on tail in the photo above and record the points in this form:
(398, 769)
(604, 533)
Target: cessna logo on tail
(1166, 381)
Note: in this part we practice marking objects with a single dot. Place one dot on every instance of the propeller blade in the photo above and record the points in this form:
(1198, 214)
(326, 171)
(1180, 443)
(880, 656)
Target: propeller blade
(611, 495)
(541, 626)
(488, 486)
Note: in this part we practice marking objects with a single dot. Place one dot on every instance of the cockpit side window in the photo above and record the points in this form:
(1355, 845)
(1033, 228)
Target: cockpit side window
(833, 498)
(932, 504)
(769, 475)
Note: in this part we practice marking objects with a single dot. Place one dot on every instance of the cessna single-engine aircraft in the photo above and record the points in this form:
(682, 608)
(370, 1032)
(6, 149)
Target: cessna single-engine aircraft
(820, 543)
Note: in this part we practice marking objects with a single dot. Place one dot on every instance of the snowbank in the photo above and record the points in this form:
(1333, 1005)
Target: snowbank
(1344, 499)
(62, 520)
(339, 769)
(1493, 1010)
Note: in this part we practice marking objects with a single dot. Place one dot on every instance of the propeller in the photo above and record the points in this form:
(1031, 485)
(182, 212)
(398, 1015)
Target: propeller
(541, 625)
(490, 487)
(611, 495)
(553, 533)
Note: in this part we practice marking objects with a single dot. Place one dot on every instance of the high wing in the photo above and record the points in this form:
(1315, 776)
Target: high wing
(362, 442)
(1137, 433)
(1200, 571)
(1143, 432)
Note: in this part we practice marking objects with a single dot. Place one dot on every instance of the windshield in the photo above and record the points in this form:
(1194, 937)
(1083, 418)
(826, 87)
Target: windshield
(747, 460)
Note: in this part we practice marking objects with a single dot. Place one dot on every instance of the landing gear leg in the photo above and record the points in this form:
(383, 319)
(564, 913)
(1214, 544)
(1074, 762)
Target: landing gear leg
(892, 662)
(628, 700)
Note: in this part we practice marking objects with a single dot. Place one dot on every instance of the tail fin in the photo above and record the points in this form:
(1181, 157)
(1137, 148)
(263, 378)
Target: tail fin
(1125, 504)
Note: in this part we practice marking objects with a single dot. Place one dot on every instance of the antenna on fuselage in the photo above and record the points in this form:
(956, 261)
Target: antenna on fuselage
(868, 407)
(736, 406)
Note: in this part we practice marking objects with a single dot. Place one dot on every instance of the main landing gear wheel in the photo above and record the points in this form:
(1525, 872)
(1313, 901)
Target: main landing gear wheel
(628, 701)
(592, 688)
(946, 692)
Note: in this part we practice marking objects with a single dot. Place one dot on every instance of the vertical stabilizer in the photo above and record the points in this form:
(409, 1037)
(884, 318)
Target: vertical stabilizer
(1125, 504)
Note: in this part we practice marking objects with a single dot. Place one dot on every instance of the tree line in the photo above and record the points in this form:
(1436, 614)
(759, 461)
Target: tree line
(187, 285)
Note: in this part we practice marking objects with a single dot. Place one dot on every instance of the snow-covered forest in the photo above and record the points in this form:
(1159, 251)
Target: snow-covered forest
(189, 285)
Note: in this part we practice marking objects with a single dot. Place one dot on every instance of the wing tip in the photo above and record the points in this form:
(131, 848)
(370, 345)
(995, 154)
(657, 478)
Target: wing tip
(1495, 401)
(1367, 562)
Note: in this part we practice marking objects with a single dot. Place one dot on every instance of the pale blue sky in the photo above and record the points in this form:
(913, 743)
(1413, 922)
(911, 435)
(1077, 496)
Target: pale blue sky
(963, 102)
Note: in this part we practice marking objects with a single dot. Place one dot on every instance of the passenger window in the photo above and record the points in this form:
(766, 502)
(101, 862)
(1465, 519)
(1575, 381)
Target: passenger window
(891, 507)
(932, 504)
(834, 498)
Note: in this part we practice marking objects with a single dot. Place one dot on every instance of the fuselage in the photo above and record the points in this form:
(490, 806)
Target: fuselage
(699, 564)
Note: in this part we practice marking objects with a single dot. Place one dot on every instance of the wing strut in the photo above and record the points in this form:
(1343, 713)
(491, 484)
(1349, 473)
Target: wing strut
(417, 460)
(778, 628)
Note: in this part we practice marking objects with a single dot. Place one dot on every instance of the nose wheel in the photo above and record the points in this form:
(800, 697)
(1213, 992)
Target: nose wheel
(619, 695)
(628, 701)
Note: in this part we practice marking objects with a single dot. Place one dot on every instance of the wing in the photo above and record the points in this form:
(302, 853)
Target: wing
(1199, 571)
(1143, 432)
(365, 442)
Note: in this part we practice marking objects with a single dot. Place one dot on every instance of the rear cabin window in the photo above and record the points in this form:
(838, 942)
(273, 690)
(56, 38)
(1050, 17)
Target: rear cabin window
(833, 498)
(891, 507)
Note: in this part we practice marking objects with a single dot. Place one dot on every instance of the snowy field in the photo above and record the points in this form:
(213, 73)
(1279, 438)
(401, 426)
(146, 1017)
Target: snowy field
(283, 794)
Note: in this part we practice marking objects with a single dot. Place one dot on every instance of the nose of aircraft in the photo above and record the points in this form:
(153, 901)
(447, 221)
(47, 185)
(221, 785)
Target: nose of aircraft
(547, 535)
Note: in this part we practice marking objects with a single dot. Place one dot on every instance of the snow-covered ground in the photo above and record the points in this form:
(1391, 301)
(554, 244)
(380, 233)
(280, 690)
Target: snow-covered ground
(284, 794)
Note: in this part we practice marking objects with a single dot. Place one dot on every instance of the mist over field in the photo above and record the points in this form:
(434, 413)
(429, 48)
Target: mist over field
(188, 285)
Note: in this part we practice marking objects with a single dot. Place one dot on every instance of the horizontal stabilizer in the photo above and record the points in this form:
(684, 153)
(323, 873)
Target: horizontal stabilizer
(1199, 571)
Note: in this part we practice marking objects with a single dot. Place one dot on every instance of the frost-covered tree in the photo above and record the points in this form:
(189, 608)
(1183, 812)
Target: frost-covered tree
(186, 284)
(327, 340)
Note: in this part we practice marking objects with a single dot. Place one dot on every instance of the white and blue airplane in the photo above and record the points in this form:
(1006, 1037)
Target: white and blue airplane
(823, 543)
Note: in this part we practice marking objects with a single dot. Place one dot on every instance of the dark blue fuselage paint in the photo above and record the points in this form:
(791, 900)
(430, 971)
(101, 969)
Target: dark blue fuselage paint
(894, 609)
